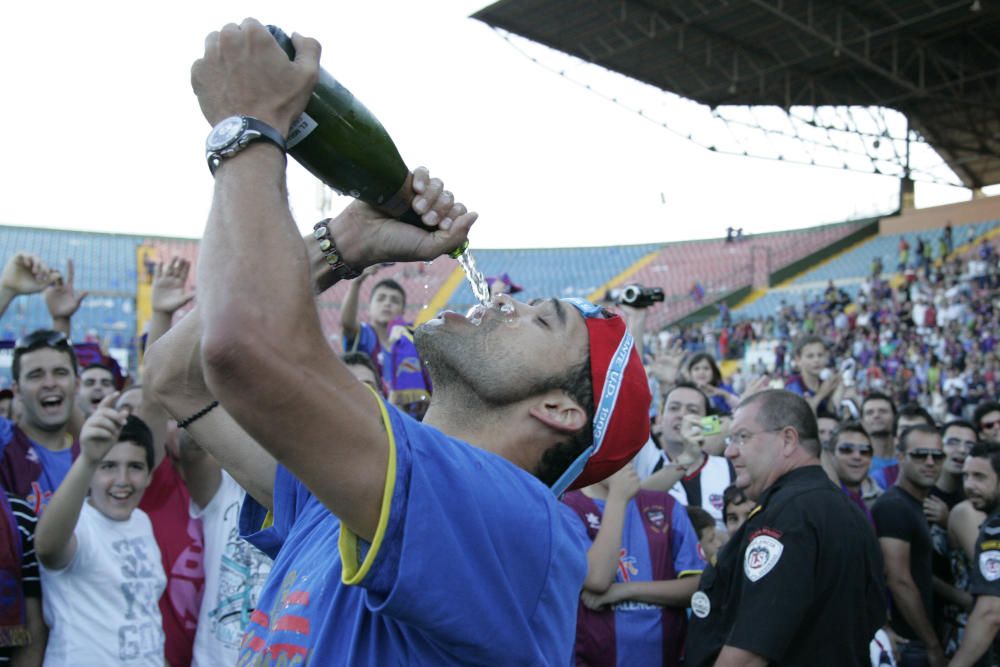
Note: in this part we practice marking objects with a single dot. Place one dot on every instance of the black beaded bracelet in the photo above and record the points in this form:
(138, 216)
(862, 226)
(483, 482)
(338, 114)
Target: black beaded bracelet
(184, 423)
(340, 269)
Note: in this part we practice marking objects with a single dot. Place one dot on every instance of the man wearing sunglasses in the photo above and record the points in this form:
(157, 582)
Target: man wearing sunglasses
(36, 453)
(905, 539)
(987, 420)
(852, 453)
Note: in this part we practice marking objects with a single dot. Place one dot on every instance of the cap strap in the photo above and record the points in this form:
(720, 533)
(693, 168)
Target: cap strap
(611, 390)
(586, 308)
(572, 472)
(608, 397)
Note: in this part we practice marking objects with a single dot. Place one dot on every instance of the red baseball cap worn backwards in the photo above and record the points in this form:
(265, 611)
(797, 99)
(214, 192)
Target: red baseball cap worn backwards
(621, 399)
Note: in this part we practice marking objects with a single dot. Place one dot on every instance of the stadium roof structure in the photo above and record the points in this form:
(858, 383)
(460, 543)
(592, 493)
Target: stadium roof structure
(935, 61)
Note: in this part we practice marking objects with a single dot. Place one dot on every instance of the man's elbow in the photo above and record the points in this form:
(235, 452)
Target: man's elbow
(898, 578)
(155, 374)
(990, 611)
(597, 585)
(226, 354)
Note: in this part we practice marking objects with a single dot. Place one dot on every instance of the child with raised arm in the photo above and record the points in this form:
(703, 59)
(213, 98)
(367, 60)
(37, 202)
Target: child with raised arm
(101, 569)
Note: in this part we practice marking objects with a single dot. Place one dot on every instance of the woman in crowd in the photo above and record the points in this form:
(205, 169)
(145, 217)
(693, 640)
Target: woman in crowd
(704, 372)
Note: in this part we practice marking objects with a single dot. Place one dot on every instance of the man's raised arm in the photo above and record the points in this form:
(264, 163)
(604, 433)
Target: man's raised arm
(265, 355)
(173, 375)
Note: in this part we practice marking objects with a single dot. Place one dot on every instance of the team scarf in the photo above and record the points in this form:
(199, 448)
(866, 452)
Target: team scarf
(13, 628)
(409, 382)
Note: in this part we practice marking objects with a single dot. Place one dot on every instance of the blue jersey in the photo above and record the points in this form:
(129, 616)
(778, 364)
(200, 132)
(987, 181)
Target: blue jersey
(638, 625)
(29, 470)
(474, 562)
(658, 543)
(884, 471)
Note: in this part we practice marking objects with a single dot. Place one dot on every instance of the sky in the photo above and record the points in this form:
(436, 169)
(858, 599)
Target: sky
(103, 132)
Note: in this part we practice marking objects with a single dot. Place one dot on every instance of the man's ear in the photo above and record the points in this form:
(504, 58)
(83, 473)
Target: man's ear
(559, 412)
(790, 441)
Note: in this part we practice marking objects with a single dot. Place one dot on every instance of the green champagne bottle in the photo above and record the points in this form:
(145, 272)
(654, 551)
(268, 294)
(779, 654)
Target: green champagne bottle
(344, 145)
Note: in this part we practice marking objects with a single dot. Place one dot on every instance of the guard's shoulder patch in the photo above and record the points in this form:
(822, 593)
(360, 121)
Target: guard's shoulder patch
(762, 554)
(989, 564)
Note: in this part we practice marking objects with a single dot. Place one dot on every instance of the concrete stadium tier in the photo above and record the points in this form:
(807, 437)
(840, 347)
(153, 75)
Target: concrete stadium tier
(105, 267)
(850, 268)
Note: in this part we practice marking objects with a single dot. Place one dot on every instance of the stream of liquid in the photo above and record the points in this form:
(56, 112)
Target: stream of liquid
(477, 281)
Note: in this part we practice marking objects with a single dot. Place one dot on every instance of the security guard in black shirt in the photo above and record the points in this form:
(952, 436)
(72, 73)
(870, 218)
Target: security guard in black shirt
(981, 482)
(801, 582)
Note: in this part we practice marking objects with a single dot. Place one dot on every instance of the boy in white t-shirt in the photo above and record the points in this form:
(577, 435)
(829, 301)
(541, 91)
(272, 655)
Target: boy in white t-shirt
(235, 570)
(100, 565)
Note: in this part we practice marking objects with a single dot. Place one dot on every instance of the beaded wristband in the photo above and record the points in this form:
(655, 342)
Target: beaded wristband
(341, 270)
(184, 423)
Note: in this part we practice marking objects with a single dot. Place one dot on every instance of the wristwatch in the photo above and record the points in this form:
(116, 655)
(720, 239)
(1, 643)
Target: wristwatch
(233, 134)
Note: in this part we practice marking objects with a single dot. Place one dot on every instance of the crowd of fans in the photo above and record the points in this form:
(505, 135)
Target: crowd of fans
(920, 337)
(910, 355)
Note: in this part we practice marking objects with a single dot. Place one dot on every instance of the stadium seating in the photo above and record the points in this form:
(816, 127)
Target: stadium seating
(849, 269)
(108, 268)
(721, 267)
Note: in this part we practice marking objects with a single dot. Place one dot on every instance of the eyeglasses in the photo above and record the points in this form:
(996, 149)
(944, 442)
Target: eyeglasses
(958, 442)
(41, 338)
(847, 450)
(743, 437)
(989, 426)
(923, 454)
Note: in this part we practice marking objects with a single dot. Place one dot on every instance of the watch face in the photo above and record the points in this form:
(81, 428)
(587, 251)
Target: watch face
(224, 133)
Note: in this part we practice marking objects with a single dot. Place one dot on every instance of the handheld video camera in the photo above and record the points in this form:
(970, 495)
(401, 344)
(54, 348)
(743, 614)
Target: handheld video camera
(638, 296)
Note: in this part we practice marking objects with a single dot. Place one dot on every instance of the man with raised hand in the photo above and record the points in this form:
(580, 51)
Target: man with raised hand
(696, 482)
(528, 400)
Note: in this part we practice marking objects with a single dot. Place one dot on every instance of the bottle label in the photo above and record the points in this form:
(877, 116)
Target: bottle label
(300, 130)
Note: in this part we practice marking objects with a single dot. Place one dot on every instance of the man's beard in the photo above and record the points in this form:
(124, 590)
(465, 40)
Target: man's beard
(481, 369)
(462, 367)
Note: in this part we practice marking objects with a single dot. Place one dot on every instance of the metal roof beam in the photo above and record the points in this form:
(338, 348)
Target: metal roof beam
(862, 38)
(838, 47)
(991, 101)
(968, 178)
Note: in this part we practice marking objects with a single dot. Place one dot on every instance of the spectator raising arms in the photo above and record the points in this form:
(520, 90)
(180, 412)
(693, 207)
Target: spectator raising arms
(101, 569)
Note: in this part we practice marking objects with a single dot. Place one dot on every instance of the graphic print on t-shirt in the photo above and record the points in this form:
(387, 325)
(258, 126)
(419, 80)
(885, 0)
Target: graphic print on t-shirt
(242, 572)
(143, 636)
(626, 566)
